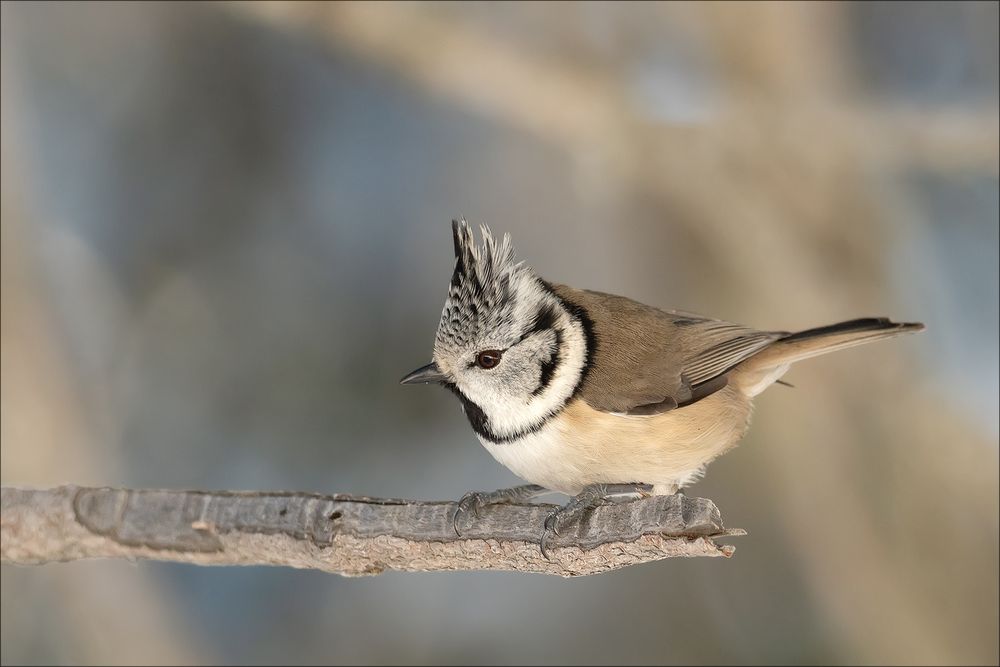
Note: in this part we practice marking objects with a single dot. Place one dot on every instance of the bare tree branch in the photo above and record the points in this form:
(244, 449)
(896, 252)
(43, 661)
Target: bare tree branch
(343, 534)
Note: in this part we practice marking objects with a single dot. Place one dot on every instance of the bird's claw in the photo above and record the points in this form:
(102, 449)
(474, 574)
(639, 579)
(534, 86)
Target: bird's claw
(579, 506)
(473, 500)
(550, 530)
(476, 500)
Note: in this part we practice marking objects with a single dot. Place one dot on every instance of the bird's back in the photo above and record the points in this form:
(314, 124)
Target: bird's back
(643, 356)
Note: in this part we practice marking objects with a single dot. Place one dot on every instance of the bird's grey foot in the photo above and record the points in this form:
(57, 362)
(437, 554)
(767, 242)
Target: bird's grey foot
(580, 504)
(476, 500)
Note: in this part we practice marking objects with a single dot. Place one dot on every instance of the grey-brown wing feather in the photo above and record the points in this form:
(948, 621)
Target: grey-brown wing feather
(648, 361)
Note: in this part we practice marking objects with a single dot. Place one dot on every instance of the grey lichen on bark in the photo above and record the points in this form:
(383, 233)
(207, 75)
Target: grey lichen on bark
(347, 535)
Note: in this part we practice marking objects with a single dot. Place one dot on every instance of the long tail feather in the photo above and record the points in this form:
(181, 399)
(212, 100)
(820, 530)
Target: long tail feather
(814, 342)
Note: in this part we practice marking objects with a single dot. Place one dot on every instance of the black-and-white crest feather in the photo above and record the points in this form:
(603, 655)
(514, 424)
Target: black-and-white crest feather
(481, 296)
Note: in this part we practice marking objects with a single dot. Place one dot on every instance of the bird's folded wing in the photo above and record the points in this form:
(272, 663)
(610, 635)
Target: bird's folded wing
(715, 346)
(647, 361)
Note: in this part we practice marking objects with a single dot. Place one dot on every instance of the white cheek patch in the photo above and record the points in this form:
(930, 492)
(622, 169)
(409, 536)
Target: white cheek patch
(511, 413)
(549, 349)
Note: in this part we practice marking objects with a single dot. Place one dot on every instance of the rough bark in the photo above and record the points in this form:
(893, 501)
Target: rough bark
(347, 535)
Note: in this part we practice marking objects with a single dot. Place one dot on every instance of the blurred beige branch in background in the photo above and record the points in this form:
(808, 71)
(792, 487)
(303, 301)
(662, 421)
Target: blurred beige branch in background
(578, 104)
(346, 535)
(754, 140)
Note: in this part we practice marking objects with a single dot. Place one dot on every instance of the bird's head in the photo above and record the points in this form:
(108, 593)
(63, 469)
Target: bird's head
(507, 345)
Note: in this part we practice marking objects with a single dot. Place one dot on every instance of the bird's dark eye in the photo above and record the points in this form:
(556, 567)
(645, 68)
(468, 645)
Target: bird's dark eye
(488, 358)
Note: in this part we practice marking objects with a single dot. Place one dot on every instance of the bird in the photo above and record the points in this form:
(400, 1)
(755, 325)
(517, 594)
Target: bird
(595, 395)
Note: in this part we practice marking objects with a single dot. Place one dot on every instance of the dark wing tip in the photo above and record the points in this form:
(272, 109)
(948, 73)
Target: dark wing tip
(859, 325)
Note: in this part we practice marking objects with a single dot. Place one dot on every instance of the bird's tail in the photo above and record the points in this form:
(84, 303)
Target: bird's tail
(814, 342)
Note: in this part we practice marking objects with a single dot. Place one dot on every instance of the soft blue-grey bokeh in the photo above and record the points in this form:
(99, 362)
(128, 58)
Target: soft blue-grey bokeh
(226, 238)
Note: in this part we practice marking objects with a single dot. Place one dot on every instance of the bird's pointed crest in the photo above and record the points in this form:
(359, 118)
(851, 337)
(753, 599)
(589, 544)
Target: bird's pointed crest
(480, 294)
(479, 266)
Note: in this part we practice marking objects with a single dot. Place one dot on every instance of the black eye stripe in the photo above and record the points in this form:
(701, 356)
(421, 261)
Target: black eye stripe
(544, 319)
(549, 367)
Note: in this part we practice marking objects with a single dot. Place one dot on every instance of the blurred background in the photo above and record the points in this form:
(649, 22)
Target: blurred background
(225, 237)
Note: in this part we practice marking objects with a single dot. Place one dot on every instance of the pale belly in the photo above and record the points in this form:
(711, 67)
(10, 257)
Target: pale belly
(582, 446)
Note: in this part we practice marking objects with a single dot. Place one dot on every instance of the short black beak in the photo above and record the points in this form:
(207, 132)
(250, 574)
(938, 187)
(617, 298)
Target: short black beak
(425, 375)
